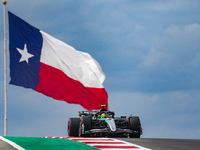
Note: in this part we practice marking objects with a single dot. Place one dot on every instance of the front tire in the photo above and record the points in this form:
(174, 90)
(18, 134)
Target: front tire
(73, 127)
(135, 126)
(85, 125)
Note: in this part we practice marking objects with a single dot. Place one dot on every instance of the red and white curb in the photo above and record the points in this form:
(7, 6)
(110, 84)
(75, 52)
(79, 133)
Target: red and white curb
(105, 143)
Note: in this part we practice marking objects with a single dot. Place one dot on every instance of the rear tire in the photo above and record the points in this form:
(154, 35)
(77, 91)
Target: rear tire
(85, 125)
(73, 127)
(135, 126)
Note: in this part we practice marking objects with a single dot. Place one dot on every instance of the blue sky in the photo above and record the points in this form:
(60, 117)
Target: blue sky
(148, 50)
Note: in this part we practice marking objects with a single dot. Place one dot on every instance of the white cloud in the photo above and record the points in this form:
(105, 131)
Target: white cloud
(170, 5)
(182, 43)
(184, 32)
(177, 47)
(138, 27)
(153, 59)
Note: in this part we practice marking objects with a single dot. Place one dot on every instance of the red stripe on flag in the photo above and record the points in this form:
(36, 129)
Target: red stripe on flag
(109, 146)
(54, 83)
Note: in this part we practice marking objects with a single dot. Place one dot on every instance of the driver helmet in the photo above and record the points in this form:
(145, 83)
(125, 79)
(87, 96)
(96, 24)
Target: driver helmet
(103, 115)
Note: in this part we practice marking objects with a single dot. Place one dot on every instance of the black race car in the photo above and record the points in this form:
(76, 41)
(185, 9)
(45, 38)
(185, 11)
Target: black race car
(103, 123)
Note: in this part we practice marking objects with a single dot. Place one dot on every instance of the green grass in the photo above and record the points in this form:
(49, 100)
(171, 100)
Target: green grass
(33, 143)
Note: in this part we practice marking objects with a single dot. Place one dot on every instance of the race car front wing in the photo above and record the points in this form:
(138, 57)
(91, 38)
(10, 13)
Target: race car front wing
(107, 130)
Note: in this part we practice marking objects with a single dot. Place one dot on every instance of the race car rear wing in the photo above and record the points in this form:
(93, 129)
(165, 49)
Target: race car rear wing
(87, 113)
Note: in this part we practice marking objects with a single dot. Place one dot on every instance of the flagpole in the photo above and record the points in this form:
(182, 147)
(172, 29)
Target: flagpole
(5, 71)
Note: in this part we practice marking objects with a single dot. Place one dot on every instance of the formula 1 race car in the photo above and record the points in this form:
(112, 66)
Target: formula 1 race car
(103, 123)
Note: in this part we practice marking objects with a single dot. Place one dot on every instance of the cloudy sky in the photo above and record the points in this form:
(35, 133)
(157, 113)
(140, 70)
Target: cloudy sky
(148, 50)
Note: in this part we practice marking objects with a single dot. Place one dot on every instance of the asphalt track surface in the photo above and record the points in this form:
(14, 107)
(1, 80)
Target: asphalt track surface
(154, 144)
(5, 146)
(166, 144)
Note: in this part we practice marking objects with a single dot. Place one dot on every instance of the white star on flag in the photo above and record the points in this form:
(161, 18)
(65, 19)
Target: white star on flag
(25, 55)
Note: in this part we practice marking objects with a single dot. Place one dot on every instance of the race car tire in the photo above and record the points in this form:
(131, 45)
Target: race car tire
(85, 125)
(135, 126)
(73, 127)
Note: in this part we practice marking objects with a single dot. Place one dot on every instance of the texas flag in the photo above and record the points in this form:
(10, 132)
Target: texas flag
(52, 67)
